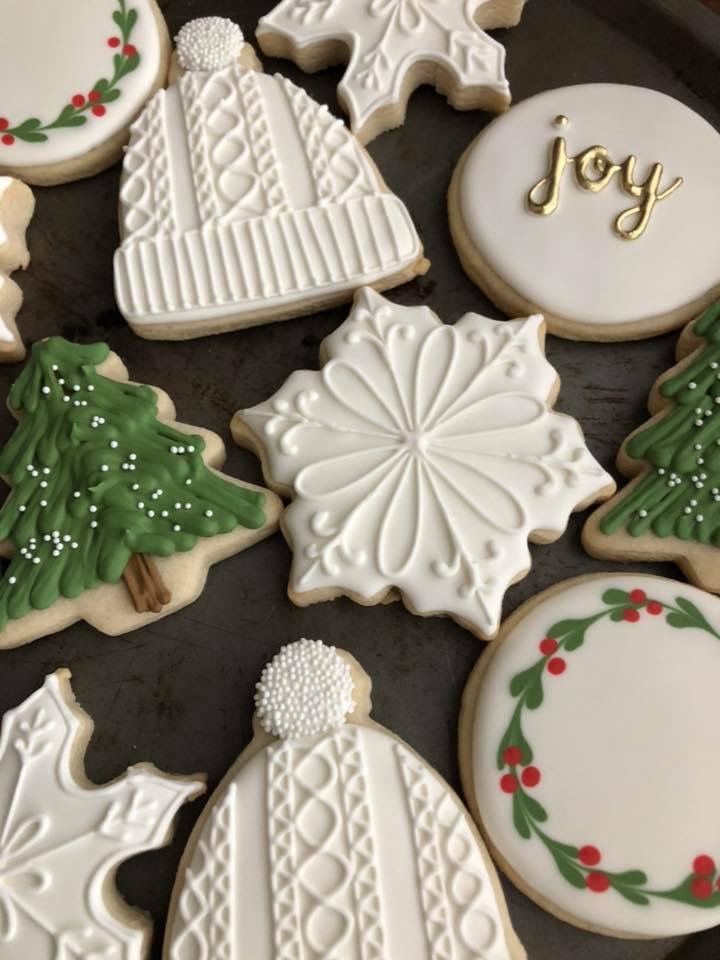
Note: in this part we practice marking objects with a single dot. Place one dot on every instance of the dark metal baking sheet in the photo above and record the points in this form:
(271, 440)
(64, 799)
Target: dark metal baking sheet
(179, 693)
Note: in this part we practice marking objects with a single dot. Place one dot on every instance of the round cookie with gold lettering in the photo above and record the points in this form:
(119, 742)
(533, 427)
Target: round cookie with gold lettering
(596, 205)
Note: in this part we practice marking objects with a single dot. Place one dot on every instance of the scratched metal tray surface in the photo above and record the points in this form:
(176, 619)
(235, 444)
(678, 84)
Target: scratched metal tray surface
(179, 693)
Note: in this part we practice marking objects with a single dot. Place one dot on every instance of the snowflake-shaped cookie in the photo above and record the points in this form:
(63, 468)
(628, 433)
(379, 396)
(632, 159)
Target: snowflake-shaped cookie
(422, 457)
(62, 838)
(394, 46)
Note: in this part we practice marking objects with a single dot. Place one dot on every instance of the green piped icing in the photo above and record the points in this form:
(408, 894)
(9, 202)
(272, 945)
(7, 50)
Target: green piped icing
(680, 496)
(96, 478)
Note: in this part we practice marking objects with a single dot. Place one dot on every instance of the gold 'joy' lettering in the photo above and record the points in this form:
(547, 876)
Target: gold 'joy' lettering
(594, 170)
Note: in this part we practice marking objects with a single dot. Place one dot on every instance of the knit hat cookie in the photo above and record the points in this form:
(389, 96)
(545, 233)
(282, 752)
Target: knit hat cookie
(244, 201)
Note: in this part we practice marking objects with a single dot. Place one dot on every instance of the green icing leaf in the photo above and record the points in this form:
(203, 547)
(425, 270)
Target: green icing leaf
(519, 818)
(613, 597)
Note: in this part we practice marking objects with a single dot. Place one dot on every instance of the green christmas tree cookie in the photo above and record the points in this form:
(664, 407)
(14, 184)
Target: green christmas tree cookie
(671, 508)
(104, 483)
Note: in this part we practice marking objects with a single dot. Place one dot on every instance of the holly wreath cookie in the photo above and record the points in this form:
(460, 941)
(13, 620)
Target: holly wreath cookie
(392, 47)
(62, 838)
(588, 757)
(670, 509)
(17, 205)
(73, 77)
(331, 838)
(116, 511)
(245, 201)
(596, 205)
(420, 459)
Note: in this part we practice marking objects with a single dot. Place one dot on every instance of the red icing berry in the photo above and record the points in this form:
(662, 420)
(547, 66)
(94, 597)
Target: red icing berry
(556, 666)
(597, 882)
(530, 777)
(701, 888)
(114, 42)
(548, 646)
(589, 856)
(631, 616)
(638, 596)
(99, 110)
(655, 608)
(512, 756)
(704, 866)
(8, 139)
(78, 100)
(509, 783)
(4, 123)
(94, 96)
(129, 50)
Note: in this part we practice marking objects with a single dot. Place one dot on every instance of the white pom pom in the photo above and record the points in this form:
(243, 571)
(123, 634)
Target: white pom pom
(209, 43)
(305, 690)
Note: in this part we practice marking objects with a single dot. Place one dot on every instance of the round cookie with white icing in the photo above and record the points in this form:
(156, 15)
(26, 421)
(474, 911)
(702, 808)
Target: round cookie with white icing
(421, 459)
(245, 201)
(596, 205)
(73, 78)
(589, 758)
(335, 839)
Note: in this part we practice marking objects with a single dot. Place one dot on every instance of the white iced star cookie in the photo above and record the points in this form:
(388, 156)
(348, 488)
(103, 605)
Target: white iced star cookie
(331, 838)
(245, 201)
(420, 459)
(73, 77)
(596, 205)
(17, 205)
(394, 46)
(62, 838)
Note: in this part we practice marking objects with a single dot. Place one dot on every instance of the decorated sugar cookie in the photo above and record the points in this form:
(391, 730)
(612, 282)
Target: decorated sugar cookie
(116, 511)
(588, 758)
(244, 201)
(596, 205)
(71, 82)
(62, 837)
(670, 510)
(330, 837)
(421, 459)
(392, 48)
(16, 209)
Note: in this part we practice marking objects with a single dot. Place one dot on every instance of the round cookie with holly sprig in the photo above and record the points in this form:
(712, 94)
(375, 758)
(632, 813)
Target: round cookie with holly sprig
(588, 758)
(73, 77)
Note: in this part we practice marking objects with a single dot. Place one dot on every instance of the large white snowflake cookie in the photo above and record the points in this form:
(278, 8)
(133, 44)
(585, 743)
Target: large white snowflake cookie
(421, 458)
(393, 46)
(244, 201)
(330, 838)
(62, 838)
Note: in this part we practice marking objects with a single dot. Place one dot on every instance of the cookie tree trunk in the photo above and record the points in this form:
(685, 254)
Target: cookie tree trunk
(100, 486)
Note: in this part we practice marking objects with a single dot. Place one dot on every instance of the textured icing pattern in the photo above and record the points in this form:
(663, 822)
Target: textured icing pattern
(261, 198)
(389, 37)
(60, 842)
(335, 831)
(422, 456)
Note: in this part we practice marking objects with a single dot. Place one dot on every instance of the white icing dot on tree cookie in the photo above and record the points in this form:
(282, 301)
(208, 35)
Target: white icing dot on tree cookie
(306, 689)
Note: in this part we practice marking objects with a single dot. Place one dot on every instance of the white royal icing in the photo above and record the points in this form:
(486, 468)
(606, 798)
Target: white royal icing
(208, 43)
(389, 37)
(626, 748)
(339, 846)
(60, 842)
(241, 194)
(422, 456)
(573, 264)
(306, 689)
(6, 334)
(50, 53)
